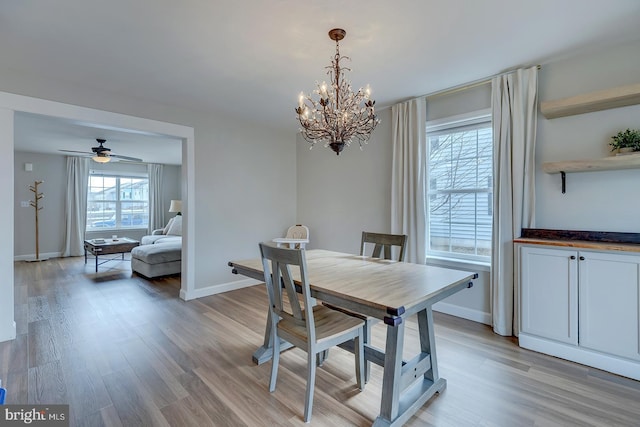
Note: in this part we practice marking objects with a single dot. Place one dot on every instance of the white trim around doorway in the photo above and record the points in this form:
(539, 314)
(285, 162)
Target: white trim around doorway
(45, 107)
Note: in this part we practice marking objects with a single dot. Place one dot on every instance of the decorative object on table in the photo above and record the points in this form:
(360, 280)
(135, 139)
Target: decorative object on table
(626, 142)
(102, 154)
(176, 206)
(35, 203)
(296, 238)
(340, 115)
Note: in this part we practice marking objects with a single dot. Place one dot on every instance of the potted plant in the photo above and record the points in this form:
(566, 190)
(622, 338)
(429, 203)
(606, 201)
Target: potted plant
(626, 141)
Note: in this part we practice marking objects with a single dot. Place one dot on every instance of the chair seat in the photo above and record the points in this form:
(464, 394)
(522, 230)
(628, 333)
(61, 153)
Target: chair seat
(329, 324)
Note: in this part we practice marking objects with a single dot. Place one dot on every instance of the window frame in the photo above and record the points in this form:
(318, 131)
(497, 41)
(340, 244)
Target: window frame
(118, 201)
(443, 126)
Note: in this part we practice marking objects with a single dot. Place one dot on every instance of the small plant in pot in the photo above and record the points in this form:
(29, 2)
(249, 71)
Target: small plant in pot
(627, 141)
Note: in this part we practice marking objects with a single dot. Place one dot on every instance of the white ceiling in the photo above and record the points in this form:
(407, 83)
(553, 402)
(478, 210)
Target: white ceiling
(43, 134)
(252, 58)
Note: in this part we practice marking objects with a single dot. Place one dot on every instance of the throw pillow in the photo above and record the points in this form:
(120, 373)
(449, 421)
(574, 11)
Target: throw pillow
(167, 227)
(176, 226)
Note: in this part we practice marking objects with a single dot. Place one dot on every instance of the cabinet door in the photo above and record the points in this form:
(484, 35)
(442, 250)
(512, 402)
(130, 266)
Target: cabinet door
(549, 287)
(609, 303)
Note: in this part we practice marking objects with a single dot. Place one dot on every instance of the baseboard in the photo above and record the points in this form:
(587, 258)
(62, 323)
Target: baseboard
(10, 334)
(32, 257)
(463, 312)
(616, 365)
(217, 289)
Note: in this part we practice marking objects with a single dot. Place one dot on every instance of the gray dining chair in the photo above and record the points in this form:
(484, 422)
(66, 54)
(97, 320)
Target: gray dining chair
(383, 245)
(312, 328)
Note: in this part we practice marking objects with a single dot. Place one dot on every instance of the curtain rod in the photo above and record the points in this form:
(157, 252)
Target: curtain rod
(465, 86)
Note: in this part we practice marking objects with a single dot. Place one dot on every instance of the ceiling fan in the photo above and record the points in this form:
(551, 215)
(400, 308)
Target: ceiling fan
(102, 154)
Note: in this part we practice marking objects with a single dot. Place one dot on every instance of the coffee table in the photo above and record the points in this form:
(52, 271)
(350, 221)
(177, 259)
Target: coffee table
(98, 247)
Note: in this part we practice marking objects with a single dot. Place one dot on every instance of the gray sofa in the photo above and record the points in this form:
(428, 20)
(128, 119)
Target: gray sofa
(159, 254)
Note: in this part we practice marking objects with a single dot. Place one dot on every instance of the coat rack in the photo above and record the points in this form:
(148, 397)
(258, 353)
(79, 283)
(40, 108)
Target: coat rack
(35, 204)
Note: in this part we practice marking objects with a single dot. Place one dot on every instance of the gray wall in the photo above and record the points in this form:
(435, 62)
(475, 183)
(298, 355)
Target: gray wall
(52, 170)
(606, 201)
(340, 196)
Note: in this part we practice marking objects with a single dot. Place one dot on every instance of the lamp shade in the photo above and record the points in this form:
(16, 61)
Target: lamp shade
(176, 206)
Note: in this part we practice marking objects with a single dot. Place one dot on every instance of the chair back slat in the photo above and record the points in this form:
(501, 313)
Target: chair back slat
(384, 242)
(281, 261)
(289, 287)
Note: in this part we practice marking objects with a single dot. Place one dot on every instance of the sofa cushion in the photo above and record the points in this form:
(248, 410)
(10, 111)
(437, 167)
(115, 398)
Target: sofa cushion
(168, 226)
(175, 228)
(149, 240)
(155, 270)
(161, 238)
(157, 254)
(169, 239)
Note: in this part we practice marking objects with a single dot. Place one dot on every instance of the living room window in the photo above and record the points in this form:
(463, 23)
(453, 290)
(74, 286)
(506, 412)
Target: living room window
(460, 183)
(117, 202)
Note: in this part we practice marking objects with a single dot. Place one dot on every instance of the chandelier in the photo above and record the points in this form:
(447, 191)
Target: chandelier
(339, 115)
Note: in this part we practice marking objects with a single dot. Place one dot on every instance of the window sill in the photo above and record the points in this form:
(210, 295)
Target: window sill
(104, 230)
(458, 264)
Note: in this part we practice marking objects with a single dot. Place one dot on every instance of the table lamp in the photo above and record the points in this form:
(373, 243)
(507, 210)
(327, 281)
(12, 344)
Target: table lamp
(176, 206)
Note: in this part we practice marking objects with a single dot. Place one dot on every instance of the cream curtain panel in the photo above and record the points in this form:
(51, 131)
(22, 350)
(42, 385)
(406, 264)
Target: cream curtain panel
(156, 201)
(76, 206)
(409, 175)
(514, 105)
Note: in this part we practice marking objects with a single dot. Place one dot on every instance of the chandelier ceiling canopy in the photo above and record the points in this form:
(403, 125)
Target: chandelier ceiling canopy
(335, 114)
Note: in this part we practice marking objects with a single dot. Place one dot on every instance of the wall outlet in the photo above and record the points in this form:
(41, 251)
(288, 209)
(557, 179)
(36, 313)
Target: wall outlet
(24, 204)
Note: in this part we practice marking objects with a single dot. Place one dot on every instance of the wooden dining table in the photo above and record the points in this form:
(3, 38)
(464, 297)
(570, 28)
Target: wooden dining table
(390, 291)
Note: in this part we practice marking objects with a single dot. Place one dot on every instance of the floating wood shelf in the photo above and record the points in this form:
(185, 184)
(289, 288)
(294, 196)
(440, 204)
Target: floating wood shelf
(595, 101)
(630, 161)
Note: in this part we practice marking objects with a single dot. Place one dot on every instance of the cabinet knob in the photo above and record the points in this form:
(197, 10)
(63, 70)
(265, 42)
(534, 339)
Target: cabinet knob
(572, 257)
(581, 258)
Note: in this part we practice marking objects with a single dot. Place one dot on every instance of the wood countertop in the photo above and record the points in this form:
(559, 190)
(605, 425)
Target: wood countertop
(580, 239)
(580, 244)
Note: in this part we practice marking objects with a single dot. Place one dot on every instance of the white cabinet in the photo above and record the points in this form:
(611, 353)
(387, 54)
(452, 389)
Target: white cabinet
(609, 303)
(581, 305)
(550, 293)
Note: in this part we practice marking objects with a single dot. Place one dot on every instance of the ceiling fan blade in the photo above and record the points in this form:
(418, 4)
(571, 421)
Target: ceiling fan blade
(132, 159)
(74, 151)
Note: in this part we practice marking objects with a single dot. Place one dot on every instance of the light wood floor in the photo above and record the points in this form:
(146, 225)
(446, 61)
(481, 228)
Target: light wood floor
(124, 351)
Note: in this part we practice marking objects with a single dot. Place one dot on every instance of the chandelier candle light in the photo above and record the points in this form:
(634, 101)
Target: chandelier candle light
(340, 115)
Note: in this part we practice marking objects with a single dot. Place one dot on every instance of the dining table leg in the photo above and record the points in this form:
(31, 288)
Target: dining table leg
(428, 345)
(392, 373)
(408, 385)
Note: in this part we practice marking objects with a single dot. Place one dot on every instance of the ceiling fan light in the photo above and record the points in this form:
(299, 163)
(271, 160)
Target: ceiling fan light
(101, 159)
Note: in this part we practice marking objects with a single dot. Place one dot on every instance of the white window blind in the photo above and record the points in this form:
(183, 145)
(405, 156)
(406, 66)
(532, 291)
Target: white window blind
(459, 195)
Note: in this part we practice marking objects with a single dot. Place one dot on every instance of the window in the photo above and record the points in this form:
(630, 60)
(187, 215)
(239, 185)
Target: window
(117, 202)
(460, 183)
